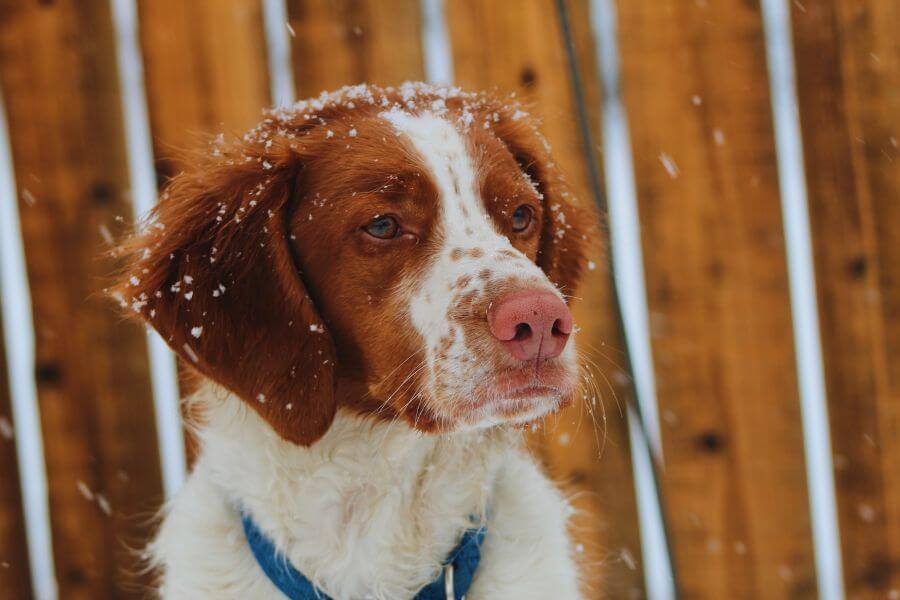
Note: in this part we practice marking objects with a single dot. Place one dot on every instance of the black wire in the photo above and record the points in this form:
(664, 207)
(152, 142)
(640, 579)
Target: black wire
(600, 200)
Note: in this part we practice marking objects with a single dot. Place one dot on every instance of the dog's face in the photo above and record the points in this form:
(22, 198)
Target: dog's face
(400, 252)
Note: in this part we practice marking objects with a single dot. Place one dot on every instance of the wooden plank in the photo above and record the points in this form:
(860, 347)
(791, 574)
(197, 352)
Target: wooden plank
(848, 75)
(15, 578)
(58, 76)
(522, 51)
(341, 42)
(206, 72)
(695, 88)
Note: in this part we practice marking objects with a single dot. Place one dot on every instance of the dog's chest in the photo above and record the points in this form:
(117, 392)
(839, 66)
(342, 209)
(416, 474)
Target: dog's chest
(398, 526)
(369, 511)
(385, 507)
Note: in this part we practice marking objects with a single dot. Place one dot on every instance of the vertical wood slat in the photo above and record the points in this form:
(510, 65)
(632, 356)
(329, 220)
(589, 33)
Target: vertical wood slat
(522, 50)
(345, 42)
(695, 84)
(848, 74)
(205, 72)
(15, 578)
(58, 76)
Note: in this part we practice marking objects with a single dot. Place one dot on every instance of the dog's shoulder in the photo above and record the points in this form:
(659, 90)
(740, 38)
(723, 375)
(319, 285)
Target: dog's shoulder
(527, 553)
(200, 550)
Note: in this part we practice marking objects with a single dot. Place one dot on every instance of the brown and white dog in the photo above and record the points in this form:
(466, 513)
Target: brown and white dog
(372, 283)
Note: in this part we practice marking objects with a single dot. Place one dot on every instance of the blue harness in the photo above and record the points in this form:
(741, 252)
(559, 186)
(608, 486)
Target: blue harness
(452, 584)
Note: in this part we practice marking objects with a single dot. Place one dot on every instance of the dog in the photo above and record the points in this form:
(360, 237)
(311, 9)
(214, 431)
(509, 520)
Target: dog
(373, 286)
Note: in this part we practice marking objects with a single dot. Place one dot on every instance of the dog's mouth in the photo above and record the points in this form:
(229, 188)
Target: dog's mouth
(518, 395)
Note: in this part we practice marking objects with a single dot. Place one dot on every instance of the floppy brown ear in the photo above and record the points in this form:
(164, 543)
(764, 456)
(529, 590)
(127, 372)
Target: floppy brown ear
(569, 228)
(213, 271)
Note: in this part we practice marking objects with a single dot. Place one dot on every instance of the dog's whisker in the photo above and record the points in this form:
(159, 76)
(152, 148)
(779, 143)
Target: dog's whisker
(591, 397)
(597, 369)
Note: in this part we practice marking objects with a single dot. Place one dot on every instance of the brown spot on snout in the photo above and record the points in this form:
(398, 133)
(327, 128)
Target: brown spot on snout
(444, 345)
(468, 299)
(463, 282)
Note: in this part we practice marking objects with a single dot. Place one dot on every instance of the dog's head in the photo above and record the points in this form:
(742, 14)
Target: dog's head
(401, 252)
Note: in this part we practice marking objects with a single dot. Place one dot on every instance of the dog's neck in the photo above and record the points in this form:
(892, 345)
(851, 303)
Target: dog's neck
(332, 507)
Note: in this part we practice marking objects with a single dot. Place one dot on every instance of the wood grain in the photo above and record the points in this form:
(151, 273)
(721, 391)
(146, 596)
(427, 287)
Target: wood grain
(205, 70)
(848, 76)
(15, 579)
(343, 42)
(586, 447)
(206, 73)
(695, 88)
(59, 80)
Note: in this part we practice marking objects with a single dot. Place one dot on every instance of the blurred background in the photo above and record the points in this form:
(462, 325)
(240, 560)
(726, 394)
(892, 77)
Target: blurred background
(743, 436)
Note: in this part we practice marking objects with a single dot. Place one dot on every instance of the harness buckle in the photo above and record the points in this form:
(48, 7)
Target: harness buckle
(448, 582)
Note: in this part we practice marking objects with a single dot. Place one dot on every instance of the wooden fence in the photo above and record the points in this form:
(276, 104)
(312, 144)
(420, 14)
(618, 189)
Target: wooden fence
(723, 300)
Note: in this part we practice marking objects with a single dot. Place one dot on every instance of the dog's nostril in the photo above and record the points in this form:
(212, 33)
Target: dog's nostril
(523, 332)
(557, 329)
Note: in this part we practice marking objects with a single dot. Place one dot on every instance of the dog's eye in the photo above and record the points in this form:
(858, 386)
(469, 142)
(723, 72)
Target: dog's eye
(383, 227)
(521, 218)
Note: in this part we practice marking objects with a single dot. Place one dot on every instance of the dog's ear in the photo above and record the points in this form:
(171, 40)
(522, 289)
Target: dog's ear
(569, 228)
(214, 272)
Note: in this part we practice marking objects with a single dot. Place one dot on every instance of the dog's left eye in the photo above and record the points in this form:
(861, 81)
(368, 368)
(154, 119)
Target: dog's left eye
(521, 218)
(383, 227)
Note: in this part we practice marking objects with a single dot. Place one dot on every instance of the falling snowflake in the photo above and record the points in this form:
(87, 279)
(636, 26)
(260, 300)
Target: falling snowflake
(669, 163)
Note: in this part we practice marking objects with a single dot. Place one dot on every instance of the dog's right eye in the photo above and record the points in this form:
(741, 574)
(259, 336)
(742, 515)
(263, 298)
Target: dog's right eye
(383, 227)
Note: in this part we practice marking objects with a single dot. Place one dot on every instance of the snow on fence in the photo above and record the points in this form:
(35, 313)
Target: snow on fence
(744, 328)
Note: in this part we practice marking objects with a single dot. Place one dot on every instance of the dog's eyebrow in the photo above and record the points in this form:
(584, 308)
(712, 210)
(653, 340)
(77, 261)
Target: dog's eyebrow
(387, 184)
(392, 180)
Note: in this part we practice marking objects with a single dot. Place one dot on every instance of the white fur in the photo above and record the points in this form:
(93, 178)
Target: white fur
(369, 511)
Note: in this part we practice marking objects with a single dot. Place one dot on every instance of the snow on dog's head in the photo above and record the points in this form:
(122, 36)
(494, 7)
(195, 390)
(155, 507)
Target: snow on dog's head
(400, 252)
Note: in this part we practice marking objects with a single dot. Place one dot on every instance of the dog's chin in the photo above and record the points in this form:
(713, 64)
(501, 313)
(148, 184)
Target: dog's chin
(513, 399)
(519, 408)
(516, 395)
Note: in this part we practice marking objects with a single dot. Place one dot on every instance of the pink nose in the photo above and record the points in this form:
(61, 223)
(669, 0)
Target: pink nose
(531, 324)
